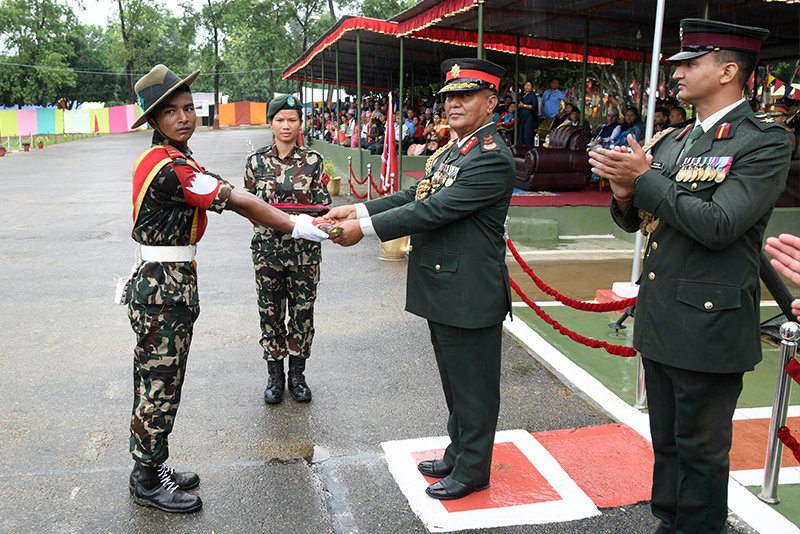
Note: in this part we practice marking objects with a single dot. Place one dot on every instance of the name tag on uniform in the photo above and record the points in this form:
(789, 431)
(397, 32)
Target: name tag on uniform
(657, 165)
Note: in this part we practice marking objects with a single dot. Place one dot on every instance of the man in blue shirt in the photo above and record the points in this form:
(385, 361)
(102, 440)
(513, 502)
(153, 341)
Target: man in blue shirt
(551, 99)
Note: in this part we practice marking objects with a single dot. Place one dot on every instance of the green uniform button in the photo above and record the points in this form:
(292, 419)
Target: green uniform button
(651, 276)
(654, 246)
(708, 305)
(438, 267)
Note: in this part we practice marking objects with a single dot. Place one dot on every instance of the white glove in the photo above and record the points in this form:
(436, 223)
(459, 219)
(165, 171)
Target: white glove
(304, 228)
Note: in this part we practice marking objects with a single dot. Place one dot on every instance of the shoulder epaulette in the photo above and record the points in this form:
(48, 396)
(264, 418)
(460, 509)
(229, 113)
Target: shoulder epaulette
(764, 123)
(656, 138)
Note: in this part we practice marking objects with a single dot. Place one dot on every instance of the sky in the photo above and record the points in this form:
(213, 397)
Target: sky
(97, 11)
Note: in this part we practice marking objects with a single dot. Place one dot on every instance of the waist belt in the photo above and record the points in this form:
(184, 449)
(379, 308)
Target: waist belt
(167, 254)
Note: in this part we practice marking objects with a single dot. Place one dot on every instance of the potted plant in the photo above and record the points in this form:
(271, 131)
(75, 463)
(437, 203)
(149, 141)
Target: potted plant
(334, 182)
(39, 143)
(26, 146)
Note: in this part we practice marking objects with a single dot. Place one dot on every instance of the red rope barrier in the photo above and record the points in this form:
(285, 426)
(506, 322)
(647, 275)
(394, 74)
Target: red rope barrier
(617, 350)
(567, 301)
(789, 441)
(793, 369)
(353, 176)
(355, 193)
(379, 190)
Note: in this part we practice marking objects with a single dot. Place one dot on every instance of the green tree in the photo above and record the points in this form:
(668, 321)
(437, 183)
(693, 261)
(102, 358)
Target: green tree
(35, 34)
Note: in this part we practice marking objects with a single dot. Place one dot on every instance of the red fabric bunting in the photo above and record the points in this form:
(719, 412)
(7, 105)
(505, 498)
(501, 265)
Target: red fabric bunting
(789, 441)
(793, 369)
(431, 16)
(617, 350)
(567, 301)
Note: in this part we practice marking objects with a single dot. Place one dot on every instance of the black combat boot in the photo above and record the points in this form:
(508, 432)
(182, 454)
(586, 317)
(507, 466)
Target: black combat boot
(276, 382)
(297, 382)
(154, 487)
(184, 481)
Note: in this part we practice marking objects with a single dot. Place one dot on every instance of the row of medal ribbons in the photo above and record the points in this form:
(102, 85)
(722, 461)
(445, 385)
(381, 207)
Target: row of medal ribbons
(706, 169)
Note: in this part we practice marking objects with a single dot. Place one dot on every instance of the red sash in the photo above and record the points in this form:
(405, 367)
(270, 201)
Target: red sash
(146, 168)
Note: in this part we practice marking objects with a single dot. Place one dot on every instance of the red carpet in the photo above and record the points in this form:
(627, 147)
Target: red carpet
(587, 197)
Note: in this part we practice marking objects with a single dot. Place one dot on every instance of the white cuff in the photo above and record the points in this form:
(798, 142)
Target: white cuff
(366, 224)
(362, 211)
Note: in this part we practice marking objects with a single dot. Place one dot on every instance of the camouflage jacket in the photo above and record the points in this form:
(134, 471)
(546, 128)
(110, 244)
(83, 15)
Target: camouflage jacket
(166, 218)
(297, 179)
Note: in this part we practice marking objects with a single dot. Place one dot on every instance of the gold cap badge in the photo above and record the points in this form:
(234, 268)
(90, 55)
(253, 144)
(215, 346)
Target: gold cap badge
(455, 71)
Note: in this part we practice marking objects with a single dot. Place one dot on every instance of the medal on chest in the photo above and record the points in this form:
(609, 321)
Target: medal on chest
(444, 176)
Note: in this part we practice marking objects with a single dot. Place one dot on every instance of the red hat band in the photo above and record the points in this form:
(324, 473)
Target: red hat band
(722, 40)
(474, 75)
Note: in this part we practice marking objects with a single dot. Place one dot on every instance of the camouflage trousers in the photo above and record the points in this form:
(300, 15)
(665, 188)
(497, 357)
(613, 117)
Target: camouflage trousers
(163, 335)
(279, 288)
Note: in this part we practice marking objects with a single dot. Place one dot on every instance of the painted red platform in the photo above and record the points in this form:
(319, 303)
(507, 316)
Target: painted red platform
(564, 198)
(612, 463)
(515, 481)
(749, 447)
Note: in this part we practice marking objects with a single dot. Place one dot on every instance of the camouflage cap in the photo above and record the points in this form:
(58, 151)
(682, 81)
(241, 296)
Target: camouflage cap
(282, 102)
(155, 86)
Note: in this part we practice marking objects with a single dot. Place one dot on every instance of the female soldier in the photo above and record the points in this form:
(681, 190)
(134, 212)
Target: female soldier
(171, 193)
(287, 271)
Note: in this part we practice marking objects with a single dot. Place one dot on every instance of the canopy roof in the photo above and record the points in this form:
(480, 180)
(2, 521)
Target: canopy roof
(625, 24)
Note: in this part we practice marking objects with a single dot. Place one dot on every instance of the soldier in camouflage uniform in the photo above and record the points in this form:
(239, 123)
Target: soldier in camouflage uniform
(287, 271)
(171, 194)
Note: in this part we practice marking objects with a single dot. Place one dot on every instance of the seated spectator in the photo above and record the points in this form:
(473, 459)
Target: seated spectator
(677, 115)
(660, 118)
(563, 116)
(603, 132)
(632, 125)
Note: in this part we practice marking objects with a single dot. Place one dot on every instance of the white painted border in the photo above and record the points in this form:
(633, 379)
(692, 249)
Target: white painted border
(575, 504)
(759, 515)
(755, 477)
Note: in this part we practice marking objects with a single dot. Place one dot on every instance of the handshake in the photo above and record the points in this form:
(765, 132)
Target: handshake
(339, 225)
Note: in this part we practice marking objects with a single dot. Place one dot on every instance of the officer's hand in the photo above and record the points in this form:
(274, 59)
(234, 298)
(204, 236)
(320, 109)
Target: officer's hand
(304, 228)
(785, 251)
(342, 213)
(621, 165)
(351, 233)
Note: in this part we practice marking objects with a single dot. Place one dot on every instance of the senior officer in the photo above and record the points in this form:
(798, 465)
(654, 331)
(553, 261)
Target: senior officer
(704, 199)
(457, 277)
(171, 195)
(287, 270)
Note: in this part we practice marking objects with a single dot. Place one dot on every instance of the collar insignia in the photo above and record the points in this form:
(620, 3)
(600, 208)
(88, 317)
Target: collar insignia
(468, 145)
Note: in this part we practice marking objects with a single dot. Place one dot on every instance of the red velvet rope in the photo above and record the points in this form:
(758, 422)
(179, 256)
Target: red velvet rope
(353, 176)
(789, 441)
(567, 301)
(617, 350)
(793, 369)
(378, 188)
(355, 193)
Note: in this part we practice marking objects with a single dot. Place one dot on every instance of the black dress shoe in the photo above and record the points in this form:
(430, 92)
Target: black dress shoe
(184, 481)
(449, 488)
(154, 487)
(434, 468)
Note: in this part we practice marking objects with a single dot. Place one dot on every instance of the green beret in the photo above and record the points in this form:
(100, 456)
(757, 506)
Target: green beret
(282, 102)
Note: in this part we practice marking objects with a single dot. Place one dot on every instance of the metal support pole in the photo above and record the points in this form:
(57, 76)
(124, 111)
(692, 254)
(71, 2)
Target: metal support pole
(399, 139)
(481, 51)
(516, 92)
(369, 180)
(790, 332)
(641, 393)
(322, 85)
(338, 88)
(584, 68)
(640, 402)
(358, 101)
(393, 187)
(349, 175)
(641, 91)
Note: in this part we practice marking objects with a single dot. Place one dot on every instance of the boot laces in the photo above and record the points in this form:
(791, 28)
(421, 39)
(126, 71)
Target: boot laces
(165, 476)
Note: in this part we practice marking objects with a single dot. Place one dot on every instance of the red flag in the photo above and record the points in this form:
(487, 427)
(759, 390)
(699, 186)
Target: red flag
(389, 157)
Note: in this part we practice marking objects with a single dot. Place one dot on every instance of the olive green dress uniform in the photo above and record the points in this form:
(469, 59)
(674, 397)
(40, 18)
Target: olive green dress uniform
(697, 314)
(287, 269)
(458, 281)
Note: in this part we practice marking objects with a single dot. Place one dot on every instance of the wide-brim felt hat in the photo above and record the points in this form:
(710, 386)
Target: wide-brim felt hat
(470, 74)
(155, 86)
(701, 36)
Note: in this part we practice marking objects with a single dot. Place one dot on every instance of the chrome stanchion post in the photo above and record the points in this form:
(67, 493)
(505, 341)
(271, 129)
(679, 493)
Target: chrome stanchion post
(392, 187)
(641, 390)
(349, 175)
(369, 181)
(790, 332)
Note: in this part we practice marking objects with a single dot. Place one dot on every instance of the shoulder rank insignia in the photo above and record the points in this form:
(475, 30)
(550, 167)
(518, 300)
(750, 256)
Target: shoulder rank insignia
(683, 132)
(468, 145)
(488, 143)
(723, 131)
